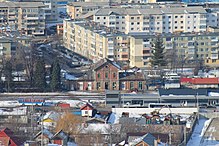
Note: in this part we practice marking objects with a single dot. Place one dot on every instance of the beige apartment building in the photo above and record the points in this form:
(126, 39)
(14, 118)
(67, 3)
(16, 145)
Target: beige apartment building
(50, 9)
(25, 17)
(76, 9)
(188, 47)
(95, 41)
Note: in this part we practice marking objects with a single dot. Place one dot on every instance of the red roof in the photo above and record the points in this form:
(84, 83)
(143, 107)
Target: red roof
(64, 105)
(87, 107)
(200, 80)
(7, 135)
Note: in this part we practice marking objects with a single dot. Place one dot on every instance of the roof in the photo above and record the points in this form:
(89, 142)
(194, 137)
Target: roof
(149, 11)
(10, 135)
(45, 132)
(200, 80)
(130, 76)
(87, 107)
(95, 120)
(88, 4)
(163, 137)
(21, 4)
(104, 62)
(147, 138)
(60, 135)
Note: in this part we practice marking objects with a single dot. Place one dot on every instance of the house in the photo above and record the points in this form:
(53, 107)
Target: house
(161, 137)
(60, 138)
(106, 75)
(146, 140)
(46, 135)
(132, 80)
(49, 120)
(87, 110)
(95, 121)
(7, 138)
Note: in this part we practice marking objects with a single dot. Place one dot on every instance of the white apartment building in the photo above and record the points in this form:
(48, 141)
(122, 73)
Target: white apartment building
(153, 20)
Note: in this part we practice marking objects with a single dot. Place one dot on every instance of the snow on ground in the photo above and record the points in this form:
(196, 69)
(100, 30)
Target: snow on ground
(14, 111)
(9, 103)
(198, 132)
(82, 93)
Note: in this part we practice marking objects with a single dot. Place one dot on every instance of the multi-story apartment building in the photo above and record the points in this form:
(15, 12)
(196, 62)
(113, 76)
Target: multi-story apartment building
(7, 46)
(51, 11)
(76, 9)
(153, 20)
(188, 48)
(95, 41)
(26, 17)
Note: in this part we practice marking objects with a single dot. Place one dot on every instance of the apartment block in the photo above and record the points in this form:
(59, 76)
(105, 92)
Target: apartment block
(51, 11)
(95, 41)
(7, 47)
(188, 48)
(76, 9)
(153, 20)
(25, 17)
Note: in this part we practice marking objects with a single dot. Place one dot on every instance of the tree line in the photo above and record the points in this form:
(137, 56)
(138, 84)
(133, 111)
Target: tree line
(38, 79)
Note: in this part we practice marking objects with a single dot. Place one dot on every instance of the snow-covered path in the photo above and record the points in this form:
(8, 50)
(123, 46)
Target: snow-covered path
(198, 132)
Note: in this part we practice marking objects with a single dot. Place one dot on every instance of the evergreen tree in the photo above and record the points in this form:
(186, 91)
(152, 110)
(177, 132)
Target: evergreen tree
(8, 76)
(55, 83)
(158, 56)
(40, 75)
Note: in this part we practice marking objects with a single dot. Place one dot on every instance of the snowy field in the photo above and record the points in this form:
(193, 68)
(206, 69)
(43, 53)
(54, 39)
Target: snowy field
(198, 132)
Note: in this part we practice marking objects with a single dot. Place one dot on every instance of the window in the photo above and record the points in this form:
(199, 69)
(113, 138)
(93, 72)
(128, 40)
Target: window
(131, 85)
(175, 21)
(98, 75)
(181, 16)
(181, 21)
(140, 85)
(132, 23)
(106, 85)
(138, 23)
(175, 27)
(98, 85)
(176, 16)
(98, 17)
(86, 112)
(106, 75)
(114, 75)
(132, 17)
(169, 16)
(114, 85)
(104, 17)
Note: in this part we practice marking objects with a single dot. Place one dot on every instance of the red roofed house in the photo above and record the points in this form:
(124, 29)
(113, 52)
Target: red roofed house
(7, 138)
(200, 82)
(86, 110)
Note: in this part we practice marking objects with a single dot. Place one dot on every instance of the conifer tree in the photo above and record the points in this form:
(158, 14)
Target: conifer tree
(8, 75)
(55, 83)
(158, 55)
(40, 75)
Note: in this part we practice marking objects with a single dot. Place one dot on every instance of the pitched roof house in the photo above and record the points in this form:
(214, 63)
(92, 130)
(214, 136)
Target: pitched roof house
(86, 110)
(7, 138)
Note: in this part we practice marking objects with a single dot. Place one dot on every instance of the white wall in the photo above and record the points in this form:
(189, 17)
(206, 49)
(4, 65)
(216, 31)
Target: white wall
(136, 111)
